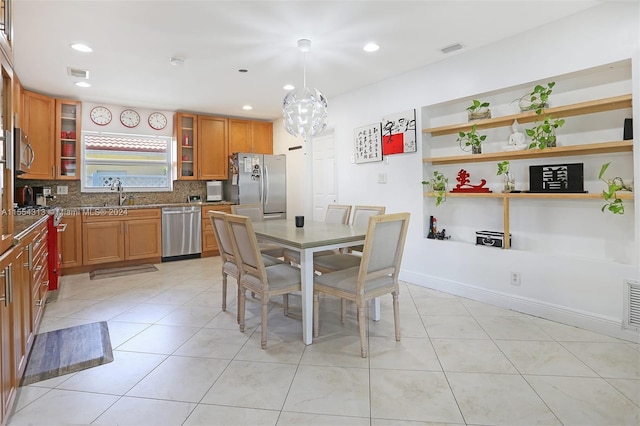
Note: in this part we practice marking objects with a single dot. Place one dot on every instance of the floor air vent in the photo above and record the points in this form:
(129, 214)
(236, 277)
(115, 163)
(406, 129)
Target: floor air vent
(632, 305)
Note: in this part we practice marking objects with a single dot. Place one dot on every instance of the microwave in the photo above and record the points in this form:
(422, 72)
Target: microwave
(23, 152)
(214, 190)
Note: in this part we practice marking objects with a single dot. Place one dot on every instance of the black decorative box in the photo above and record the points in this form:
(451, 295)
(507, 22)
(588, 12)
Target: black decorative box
(491, 239)
(557, 178)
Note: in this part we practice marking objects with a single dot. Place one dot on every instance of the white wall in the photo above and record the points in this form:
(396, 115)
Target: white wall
(574, 290)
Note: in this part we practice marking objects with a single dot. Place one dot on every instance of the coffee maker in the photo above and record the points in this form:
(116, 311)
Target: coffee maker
(42, 195)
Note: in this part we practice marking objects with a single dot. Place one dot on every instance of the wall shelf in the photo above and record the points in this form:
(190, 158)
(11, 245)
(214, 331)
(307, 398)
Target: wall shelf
(623, 195)
(559, 151)
(589, 107)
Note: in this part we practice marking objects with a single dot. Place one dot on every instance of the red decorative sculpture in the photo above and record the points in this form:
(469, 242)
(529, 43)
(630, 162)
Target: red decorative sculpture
(464, 185)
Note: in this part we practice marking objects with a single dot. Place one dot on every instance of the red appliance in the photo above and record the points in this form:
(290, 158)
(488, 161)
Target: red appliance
(55, 257)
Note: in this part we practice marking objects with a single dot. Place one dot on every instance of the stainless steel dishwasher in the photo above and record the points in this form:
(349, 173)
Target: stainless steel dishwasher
(181, 232)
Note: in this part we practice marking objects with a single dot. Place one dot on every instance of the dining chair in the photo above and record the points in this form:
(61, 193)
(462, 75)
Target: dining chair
(265, 281)
(376, 276)
(255, 212)
(227, 256)
(361, 215)
(336, 213)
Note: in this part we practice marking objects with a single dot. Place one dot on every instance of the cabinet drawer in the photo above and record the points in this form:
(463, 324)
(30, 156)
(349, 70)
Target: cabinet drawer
(223, 208)
(105, 214)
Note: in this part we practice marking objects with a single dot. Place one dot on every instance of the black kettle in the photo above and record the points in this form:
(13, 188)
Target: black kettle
(25, 197)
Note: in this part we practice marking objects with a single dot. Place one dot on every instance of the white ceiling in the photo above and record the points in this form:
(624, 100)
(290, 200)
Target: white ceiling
(133, 41)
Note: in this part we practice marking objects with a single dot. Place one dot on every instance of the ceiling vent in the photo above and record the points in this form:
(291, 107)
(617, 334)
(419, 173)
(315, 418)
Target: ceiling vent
(451, 48)
(75, 72)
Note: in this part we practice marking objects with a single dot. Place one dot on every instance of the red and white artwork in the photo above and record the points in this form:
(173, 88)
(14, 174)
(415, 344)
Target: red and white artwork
(399, 133)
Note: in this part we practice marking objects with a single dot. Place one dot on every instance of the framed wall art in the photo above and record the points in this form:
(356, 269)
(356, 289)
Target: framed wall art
(399, 133)
(368, 143)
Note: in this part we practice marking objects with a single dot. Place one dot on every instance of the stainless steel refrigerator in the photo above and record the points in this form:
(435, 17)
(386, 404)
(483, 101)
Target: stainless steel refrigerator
(258, 179)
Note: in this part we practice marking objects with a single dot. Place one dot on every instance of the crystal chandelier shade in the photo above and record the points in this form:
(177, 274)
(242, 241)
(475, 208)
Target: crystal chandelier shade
(304, 110)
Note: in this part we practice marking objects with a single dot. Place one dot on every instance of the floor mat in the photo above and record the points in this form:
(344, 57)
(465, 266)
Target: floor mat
(68, 350)
(119, 272)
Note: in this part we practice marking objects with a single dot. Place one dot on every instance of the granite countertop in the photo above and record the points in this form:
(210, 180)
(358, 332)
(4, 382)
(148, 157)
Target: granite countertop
(155, 206)
(23, 224)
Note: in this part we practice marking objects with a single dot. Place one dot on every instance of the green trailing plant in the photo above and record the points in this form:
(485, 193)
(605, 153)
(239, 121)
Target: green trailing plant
(613, 202)
(438, 184)
(471, 139)
(544, 134)
(509, 182)
(538, 98)
(478, 110)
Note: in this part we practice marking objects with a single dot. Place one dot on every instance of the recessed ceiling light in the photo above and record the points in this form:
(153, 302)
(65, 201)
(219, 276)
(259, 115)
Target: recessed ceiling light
(451, 48)
(370, 47)
(82, 84)
(81, 47)
(247, 107)
(288, 87)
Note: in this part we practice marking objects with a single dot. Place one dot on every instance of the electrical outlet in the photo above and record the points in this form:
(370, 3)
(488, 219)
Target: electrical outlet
(382, 178)
(62, 190)
(515, 278)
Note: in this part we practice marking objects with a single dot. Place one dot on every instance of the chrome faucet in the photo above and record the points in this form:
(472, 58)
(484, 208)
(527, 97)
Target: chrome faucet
(116, 185)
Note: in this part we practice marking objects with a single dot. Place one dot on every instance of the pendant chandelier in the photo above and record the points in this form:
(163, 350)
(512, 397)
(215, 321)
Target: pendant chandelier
(304, 110)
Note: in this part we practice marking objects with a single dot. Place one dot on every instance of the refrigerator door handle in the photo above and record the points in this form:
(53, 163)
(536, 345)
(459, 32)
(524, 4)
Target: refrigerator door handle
(265, 184)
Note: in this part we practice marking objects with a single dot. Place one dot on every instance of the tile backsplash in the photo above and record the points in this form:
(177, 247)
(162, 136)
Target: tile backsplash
(75, 198)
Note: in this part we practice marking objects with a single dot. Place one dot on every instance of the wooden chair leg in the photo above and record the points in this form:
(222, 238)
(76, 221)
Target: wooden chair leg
(362, 326)
(238, 302)
(265, 302)
(241, 304)
(285, 301)
(224, 292)
(396, 315)
(343, 310)
(316, 313)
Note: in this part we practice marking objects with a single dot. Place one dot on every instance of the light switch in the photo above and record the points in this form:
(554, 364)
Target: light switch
(62, 190)
(382, 178)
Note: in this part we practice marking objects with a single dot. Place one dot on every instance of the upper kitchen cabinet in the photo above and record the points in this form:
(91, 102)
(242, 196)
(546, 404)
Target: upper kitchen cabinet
(6, 28)
(185, 129)
(38, 120)
(250, 136)
(67, 135)
(212, 148)
(6, 178)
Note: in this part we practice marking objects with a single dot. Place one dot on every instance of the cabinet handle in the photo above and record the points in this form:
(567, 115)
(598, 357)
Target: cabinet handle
(29, 263)
(62, 227)
(45, 284)
(38, 268)
(39, 302)
(8, 285)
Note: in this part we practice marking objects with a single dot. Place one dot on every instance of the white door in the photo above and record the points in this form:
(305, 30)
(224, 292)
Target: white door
(325, 189)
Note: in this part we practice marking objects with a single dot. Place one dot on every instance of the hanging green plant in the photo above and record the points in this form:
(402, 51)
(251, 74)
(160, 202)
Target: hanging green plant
(537, 99)
(438, 185)
(478, 110)
(544, 134)
(613, 202)
(471, 139)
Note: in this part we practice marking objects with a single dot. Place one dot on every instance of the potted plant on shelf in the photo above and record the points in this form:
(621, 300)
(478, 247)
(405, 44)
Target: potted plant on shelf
(613, 202)
(543, 135)
(471, 139)
(537, 99)
(478, 110)
(438, 185)
(509, 181)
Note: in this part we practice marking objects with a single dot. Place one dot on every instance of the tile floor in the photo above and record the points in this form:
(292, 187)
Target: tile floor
(180, 360)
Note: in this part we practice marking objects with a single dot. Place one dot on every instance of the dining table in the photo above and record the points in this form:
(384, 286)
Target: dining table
(314, 236)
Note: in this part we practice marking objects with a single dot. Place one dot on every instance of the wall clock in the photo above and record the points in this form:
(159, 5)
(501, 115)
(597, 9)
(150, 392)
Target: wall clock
(157, 120)
(129, 118)
(100, 115)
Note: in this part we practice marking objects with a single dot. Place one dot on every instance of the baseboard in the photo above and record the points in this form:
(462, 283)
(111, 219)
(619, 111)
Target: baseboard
(599, 324)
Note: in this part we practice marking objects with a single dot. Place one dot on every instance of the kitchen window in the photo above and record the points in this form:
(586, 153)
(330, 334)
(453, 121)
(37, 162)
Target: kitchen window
(141, 163)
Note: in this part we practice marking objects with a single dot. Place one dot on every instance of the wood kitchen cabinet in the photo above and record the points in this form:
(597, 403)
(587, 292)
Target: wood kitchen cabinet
(212, 148)
(23, 281)
(68, 126)
(135, 234)
(209, 243)
(38, 120)
(185, 129)
(250, 136)
(70, 241)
